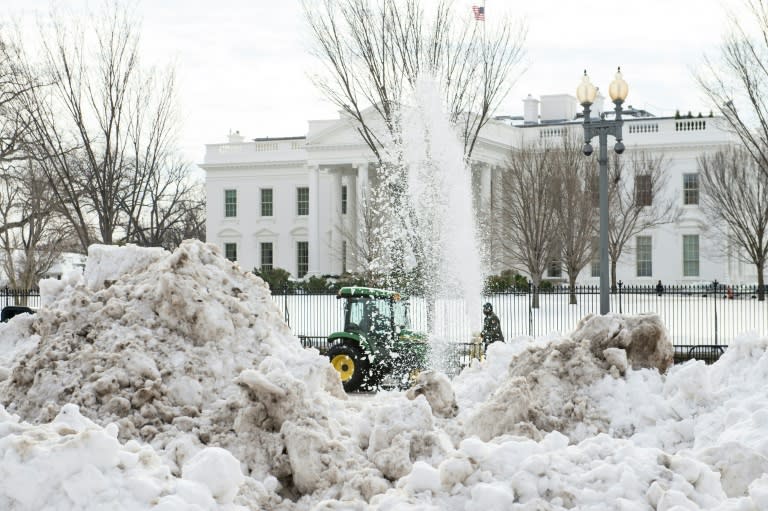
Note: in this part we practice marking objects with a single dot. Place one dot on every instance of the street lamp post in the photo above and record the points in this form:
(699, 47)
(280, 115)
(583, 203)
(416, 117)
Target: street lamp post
(586, 93)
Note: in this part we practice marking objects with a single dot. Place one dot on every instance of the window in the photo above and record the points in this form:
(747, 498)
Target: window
(643, 190)
(230, 203)
(302, 258)
(643, 256)
(230, 251)
(555, 269)
(690, 189)
(691, 255)
(344, 200)
(302, 201)
(266, 256)
(266, 202)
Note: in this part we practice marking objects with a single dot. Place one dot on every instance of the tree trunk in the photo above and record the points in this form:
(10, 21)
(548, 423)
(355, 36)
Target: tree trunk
(572, 285)
(613, 275)
(760, 281)
(535, 291)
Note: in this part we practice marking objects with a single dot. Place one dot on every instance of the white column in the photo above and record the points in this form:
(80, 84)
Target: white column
(314, 220)
(336, 222)
(485, 214)
(350, 224)
(484, 204)
(362, 195)
(361, 190)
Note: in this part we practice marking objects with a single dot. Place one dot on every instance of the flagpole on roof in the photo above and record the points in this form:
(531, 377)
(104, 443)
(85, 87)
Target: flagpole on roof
(483, 22)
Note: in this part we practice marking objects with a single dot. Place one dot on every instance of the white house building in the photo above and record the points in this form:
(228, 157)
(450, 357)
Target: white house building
(292, 202)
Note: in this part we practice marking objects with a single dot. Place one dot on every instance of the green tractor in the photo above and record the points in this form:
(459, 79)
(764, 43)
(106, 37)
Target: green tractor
(377, 343)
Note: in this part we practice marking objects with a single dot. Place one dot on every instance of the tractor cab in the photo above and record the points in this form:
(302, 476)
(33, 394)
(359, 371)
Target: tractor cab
(374, 314)
(377, 340)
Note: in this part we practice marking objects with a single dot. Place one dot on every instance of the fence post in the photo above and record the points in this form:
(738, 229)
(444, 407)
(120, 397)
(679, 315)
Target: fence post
(714, 296)
(620, 284)
(530, 309)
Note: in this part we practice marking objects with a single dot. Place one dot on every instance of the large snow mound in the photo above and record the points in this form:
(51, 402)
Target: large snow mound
(169, 381)
(146, 343)
(158, 346)
(546, 386)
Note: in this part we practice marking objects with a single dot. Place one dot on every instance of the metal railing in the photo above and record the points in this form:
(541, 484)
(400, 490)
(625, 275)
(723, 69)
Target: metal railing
(701, 319)
(694, 315)
(23, 297)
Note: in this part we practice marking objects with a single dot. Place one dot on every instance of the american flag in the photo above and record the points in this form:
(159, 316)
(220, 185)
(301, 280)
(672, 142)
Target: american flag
(479, 12)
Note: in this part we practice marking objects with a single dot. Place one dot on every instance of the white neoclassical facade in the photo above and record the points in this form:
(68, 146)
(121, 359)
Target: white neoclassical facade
(292, 202)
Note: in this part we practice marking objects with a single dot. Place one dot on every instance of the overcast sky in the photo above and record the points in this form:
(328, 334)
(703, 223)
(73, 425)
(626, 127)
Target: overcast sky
(242, 64)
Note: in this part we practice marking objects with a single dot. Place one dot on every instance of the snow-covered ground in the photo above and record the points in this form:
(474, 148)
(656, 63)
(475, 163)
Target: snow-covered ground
(170, 382)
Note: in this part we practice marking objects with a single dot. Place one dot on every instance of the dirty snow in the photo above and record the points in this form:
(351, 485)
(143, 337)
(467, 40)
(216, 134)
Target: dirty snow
(170, 382)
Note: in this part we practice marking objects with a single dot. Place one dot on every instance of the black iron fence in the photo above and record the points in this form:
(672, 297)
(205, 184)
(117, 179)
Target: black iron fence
(19, 297)
(701, 319)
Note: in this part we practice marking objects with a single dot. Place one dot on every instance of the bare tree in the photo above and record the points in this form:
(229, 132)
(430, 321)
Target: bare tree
(34, 242)
(374, 50)
(373, 53)
(164, 205)
(735, 200)
(14, 121)
(635, 200)
(105, 130)
(737, 81)
(573, 208)
(526, 221)
(364, 252)
(191, 223)
(28, 239)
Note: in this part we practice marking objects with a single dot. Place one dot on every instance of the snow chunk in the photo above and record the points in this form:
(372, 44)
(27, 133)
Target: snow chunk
(437, 389)
(107, 263)
(423, 477)
(217, 470)
(643, 337)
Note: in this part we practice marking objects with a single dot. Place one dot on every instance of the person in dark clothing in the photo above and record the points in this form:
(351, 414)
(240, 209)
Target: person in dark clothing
(659, 289)
(491, 326)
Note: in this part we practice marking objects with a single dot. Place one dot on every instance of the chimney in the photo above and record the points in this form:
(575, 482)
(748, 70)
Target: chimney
(557, 108)
(530, 110)
(235, 138)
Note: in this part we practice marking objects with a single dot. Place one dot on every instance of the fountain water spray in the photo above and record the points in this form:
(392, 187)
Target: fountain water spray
(441, 222)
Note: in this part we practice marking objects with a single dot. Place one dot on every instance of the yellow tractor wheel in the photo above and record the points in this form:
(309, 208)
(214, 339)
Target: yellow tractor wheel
(348, 360)
(344, 365)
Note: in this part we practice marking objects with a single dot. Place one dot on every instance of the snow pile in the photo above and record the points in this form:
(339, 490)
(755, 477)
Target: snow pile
(71, 463)
(396, 433)
(547, 386)
(155, 344)
(162, 345)
(715, 413)
(169, 381)
(693, 438)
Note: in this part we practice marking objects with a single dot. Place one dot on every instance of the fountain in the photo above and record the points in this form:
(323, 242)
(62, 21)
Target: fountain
(441, 219)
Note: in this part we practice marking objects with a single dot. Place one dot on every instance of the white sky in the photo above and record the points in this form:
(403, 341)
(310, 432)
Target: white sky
(242, 64)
